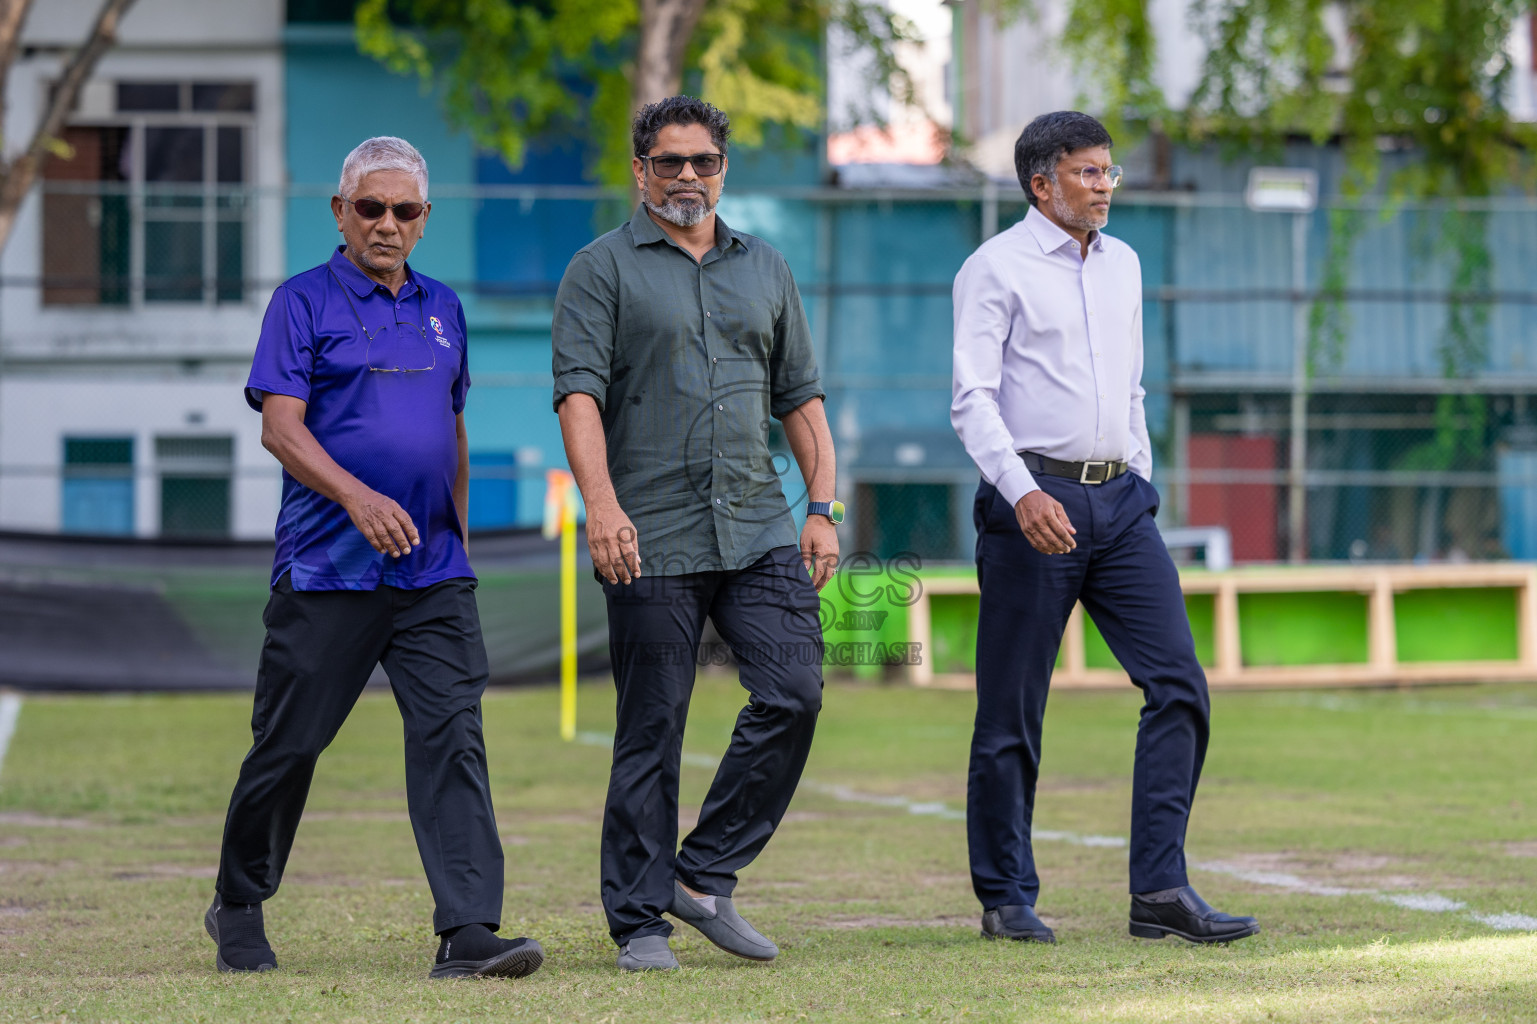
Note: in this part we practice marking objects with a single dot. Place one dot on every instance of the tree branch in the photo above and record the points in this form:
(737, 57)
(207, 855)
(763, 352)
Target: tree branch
(13, 14)
(17, 178)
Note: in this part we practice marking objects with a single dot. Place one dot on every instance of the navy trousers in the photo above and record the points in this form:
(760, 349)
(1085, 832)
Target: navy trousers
(767, 613)
(321, 647)
(1122, 573)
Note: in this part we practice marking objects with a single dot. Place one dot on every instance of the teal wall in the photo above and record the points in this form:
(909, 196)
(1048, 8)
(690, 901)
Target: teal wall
(336, 99)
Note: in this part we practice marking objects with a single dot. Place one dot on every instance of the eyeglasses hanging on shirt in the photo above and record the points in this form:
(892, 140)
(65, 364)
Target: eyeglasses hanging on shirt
(368, 349)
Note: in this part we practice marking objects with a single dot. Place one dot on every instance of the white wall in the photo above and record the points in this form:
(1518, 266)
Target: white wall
(242, 23)
(37, 412)
(151, 330)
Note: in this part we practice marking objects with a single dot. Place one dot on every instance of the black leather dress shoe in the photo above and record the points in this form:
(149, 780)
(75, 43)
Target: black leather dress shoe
(1189, 917)
(1018, 923)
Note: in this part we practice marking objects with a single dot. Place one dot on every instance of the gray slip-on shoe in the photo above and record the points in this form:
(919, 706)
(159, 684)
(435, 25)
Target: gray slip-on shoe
(717, 918)
(647, 953)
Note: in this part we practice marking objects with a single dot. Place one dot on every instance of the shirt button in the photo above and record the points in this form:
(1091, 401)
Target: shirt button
(717, 501)
(720, 455)
(722, 408)
(714, 360)
(707, 312)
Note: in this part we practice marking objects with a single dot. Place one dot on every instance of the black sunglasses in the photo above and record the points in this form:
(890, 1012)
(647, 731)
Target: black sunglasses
(372, 209)
(706, 165)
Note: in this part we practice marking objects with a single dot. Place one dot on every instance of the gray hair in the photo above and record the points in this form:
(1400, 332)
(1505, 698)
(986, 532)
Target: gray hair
(382, 153)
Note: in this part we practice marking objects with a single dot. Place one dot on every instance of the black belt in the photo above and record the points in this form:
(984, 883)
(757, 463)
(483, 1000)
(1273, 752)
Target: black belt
(1083, 472)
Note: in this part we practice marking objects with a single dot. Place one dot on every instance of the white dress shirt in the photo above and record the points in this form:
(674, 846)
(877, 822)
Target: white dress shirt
(1048, 354)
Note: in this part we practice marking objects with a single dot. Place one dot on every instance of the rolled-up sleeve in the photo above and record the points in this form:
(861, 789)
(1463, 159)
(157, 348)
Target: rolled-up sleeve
(582, 332)
(983, 318)
(794, 378)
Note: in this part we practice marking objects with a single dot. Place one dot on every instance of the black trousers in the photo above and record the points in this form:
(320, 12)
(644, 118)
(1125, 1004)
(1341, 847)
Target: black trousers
(767, 613)
(1122, 573)
(321, 647)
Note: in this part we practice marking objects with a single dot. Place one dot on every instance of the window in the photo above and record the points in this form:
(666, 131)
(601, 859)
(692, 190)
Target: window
(195, 485)
(98, 485)
(152, 205)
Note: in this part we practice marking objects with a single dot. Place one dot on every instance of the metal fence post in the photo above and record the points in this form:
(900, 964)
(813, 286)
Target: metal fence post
(1296, 512)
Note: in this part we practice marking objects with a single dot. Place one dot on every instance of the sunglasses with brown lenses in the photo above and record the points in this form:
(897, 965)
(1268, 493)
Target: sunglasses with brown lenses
(372, 209)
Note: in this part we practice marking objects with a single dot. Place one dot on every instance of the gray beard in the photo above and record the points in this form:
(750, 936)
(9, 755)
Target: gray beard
(684, 215)
(1065, 215)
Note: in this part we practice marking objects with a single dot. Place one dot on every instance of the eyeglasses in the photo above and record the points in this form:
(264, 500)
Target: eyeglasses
(706, 165)
(372, 209)
(1092, 176)
(368, 345)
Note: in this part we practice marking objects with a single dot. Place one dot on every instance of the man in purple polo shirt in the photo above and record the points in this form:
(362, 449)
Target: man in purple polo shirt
(360, 376)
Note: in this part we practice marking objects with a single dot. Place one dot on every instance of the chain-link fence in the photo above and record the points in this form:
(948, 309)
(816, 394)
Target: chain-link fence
(1320, 401)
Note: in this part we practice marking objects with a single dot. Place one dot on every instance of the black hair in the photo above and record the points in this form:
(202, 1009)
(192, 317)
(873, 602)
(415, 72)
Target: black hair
(1049, 138)
(653, 117)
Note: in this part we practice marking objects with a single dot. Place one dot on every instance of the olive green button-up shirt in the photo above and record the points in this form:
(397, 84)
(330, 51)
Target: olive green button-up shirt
(687, 361)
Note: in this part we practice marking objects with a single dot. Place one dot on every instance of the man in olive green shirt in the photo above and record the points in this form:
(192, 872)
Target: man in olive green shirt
(675, 340)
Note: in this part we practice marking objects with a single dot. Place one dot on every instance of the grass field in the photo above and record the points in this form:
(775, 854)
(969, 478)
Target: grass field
(1387, 841)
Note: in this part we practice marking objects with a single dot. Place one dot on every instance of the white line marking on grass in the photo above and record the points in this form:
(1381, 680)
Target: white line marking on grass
(1432, 902)
(10, 709)
(1507, 922)
(1429, 902)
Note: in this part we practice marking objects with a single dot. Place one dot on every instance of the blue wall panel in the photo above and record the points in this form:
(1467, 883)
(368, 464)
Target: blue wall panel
(336, 99)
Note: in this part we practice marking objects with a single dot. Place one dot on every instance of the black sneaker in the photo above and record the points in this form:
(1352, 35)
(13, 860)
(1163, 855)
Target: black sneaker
(473, 951)
(237, 929)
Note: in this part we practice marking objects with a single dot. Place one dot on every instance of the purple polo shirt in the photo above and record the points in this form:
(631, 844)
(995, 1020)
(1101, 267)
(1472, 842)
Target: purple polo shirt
(328, 334)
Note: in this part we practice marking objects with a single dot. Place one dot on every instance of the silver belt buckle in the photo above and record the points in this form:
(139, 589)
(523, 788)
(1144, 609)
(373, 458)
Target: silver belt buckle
(1083, 474)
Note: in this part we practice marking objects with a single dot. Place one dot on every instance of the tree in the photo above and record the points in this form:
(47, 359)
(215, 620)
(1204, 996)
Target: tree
(511, 71)
(19, 174)
(1425, 78)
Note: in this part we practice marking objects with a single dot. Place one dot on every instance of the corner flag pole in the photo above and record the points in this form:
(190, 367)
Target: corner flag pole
(560, 515)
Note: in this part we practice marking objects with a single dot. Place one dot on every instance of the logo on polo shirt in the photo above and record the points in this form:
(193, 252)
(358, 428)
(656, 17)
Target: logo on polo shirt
(437, 325)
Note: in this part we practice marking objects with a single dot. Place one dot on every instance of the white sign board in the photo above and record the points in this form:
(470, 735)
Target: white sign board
(1282, 189)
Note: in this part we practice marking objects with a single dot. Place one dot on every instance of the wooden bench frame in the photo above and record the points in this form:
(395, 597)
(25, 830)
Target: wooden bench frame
(1380, 583)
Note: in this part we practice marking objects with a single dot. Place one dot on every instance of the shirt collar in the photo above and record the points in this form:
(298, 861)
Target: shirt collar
(1051, 237)
(349, 274)
(644, 231)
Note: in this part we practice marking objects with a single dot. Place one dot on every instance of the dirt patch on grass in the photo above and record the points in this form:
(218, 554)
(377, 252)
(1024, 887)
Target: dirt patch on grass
(941, 880)
(897, 922)
(39, 867)
(1522, 849)
(162, 872)
(26, 819)
(1343, 872)
(1049, 785)
(312, 816)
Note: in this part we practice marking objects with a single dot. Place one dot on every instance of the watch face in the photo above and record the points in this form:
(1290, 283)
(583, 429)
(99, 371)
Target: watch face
(836, 512)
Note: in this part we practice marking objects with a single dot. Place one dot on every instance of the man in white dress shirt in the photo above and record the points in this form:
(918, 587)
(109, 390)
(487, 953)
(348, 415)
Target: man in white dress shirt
(1048, 402)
